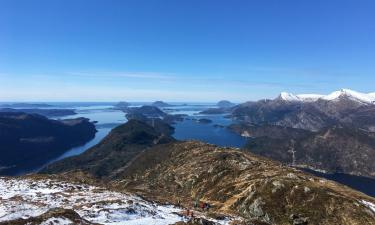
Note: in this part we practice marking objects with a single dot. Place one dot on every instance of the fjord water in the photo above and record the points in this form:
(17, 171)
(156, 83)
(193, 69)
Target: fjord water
(363, 184)
(213, 133)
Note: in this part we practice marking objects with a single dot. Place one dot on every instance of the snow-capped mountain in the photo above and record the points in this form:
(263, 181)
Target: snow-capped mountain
(365, 98)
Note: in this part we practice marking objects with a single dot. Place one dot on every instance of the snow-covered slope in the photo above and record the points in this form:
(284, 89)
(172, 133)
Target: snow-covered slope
(25, 198)
(353, 95)
(288, 97)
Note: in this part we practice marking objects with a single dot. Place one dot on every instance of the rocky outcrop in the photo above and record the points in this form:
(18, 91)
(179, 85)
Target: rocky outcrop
(29, 141)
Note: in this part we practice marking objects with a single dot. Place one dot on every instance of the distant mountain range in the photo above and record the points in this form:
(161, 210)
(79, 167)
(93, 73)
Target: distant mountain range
(311, 113)
(334, 133)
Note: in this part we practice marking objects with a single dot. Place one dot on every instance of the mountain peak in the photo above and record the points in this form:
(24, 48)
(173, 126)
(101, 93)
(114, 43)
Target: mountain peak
(353, 95)
(288, 97)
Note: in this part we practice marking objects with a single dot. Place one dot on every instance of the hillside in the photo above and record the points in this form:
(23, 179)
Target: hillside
(28, 140)
(334, 150)
(333, 133)
(114, 152)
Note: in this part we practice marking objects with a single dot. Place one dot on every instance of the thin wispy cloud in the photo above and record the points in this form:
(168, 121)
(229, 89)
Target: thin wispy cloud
(136, 75)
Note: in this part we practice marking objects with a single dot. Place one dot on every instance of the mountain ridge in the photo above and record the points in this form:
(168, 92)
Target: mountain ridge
(368, 98)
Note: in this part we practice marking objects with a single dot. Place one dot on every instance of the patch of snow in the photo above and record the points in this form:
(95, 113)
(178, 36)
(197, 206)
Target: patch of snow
(57, 221)
(369, 205)
(361, 97)
(245, 134)
(25, 198)
(354, 95)
(288, 97)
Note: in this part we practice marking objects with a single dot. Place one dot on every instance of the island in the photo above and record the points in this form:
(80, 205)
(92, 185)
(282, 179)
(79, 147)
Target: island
(122, 105)
(43, 112)
(160, 104)
(225, 104)
(25, 105)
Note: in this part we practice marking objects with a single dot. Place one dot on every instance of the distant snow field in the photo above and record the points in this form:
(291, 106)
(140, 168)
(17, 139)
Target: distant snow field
(25, 198)
(365, 98)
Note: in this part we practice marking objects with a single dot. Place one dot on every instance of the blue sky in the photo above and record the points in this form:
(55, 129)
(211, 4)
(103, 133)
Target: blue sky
(192, 50)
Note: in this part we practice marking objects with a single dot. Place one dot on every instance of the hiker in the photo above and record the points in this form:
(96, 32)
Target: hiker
(202, 204)
(207, 206)
(195, 204)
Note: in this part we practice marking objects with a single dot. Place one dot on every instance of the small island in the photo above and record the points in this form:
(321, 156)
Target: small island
(225, 104)
(155, 117)
(203, 121)
(160, 104)
(122, 105)
(25, 105)
(43, 112)
(223, 107)
(212, 111)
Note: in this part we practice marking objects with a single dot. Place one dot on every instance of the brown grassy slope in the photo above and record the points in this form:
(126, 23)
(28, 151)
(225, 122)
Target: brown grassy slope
(242, 184)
